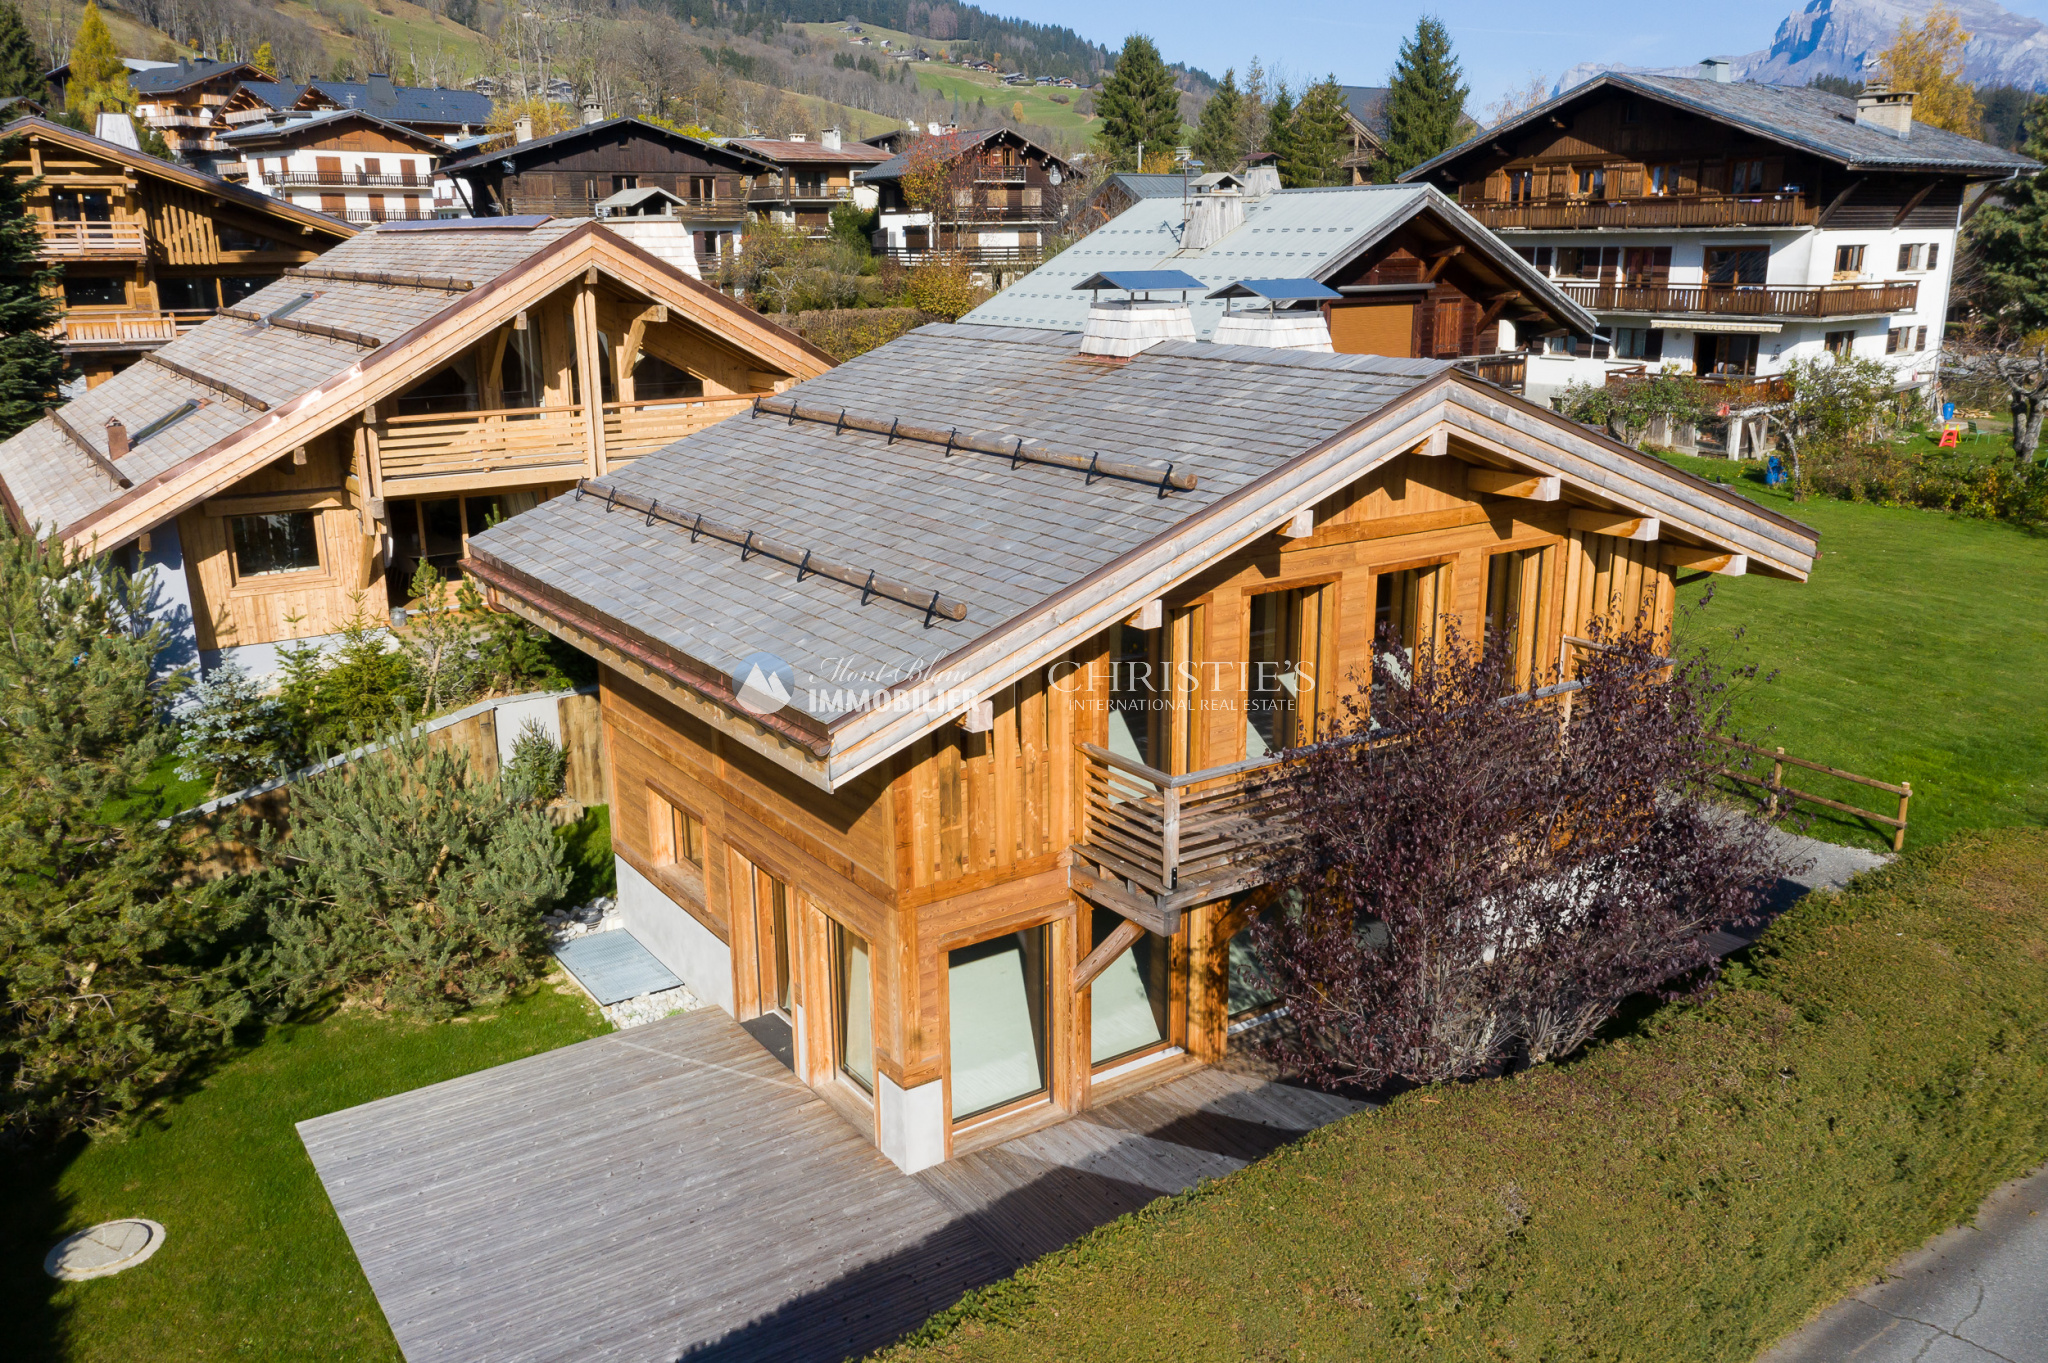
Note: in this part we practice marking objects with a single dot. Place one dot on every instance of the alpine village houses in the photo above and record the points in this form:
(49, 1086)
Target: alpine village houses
(932, 686)
(287, 463)
(150, 249)
(1730, 227)
(1002, 198)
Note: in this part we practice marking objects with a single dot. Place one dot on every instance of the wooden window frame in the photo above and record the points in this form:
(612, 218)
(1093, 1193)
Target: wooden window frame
(262, 584)
(1057, 1017)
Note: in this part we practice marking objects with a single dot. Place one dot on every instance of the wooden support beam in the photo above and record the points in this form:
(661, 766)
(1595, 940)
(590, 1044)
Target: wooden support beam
(1301, 527)
(1706, 559)
(1439, 259)
(1621, 525)
(1496, 306)
(979, 718)
(1436, 446)
(1104, 956)
(1838, 201)
(1151, 615)
(1531, 487)
(1919, 197)
(590, 374)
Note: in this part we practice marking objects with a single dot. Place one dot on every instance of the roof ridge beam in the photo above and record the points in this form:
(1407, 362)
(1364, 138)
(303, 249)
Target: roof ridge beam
(1017, 450)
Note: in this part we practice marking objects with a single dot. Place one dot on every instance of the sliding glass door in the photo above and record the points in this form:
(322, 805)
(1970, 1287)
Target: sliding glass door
(997, 999)
(1131, 1002)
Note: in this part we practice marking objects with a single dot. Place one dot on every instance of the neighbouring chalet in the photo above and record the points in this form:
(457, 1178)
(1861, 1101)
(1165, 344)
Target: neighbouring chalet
(1418, 277)
(150, 249)
(444, 114)
(346, 164)
(182, 100)
(1000, 198)
(928, 687)
(1730, 227)
(810, 179)
(1125, 189)
(1365, 130)
(291, 461)
(569, 173)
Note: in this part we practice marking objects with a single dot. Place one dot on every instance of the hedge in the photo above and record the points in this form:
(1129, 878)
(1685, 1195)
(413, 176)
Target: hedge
(1692, 1189)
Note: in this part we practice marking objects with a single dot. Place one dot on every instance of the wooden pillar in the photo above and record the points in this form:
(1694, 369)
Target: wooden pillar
(591, 376)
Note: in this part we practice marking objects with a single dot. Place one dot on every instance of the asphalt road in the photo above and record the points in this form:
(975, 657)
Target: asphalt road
(1972, 1294)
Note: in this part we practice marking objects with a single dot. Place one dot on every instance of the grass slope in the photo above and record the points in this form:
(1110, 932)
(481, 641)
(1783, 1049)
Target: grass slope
(1689, 1191)
(957, 82)
(255, 1265)
(1915, 653)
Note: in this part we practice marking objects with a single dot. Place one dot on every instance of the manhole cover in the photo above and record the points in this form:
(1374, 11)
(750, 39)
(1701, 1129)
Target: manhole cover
(104, 1249)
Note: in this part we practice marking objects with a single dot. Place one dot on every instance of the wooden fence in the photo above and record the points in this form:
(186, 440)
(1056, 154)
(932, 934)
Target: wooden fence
(1782, 795)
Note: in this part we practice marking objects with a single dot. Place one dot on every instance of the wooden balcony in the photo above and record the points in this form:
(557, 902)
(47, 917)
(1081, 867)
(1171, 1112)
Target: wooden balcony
(422, 455)
(93, 240)
(1508, 369)
(633, 429)
(125, 330)
(1748, 300)
(352, 179)
(1153, 845)
(1699, 210)
(768, 189)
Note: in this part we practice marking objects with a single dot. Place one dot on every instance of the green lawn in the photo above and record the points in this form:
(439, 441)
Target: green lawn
(1916, 652)
(255, 1264)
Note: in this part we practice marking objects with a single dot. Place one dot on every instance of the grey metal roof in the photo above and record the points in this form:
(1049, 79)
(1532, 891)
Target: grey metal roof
(159, 80)
(1308, 233)
(601, 131)
(1795, 115)
(322, 122)
(56, 486)
(1001, 538)
(408, 103)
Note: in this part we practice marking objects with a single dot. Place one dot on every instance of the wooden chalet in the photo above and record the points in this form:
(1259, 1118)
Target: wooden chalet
(290, 461)
(150, 249)
(810, 179)
(569, 173)
(1004, 198)
(932, 687)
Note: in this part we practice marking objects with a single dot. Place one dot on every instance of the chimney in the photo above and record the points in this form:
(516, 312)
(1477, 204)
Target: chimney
(381, 92)
(117, 438)
(831, 139)
(797, 137)
(1718, 70)
(522, 131)
(1211, 218)
(1880, 106)
(1119, 328)
(1274, 330)
(593, 112)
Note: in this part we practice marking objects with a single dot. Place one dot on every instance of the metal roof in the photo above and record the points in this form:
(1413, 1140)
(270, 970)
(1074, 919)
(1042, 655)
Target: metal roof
(1308, 233)
(1801, 116)
(1139, 281)
(318, 123)
(609, 127)
(1278, 290)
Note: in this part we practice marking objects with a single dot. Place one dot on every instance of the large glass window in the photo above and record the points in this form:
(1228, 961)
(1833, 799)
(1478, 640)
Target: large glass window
(1131, 1002)
(996, 995)
(1405, 608)
(1135, 699)
(1251, 990)
(87, 291)
(234, 288)
(856, 1020)
(1283, 649)
(655, 378)
(281, 542)
(1515, 583)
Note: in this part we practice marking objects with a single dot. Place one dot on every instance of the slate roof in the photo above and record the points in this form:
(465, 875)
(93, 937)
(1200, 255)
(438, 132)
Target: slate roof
(1296, 233)
(409, 103)
(781, 150)
(1001, 539)
(174, 76)
(600, 131)
(56, 487)
(893, 168)
(1799, 116)
(322, 123)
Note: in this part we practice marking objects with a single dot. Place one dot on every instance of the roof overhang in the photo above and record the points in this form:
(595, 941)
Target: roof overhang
(1463, 414)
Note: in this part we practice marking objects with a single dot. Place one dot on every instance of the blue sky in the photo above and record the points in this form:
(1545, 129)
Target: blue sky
(1501, 44)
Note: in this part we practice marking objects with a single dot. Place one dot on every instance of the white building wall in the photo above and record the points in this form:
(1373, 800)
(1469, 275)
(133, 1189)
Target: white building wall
(266, 174)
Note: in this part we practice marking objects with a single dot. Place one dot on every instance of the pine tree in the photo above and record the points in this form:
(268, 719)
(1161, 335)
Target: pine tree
(1220, 134)
(2010, 241)
(31, 365)
(99, 82)
(1426, 103)
(230, 732)
(116, 969)
(1316, 145)
(21, 68)
(1279, 139)
(1139, 104)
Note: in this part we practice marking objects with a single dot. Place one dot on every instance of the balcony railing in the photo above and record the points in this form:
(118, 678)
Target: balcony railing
(1748, 300)
(74, 239)
(384, 215)
(1763, 210)
(442, 452)
(118, 330)
(633, 429)
(768, 190)
(352, 179)
(1509, 369)
(973, 254)
(1002, 174)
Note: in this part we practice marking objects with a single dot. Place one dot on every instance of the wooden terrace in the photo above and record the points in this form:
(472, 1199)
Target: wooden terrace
(674, 1191)
(117, 239)
(1750, 300)
(1652, 212)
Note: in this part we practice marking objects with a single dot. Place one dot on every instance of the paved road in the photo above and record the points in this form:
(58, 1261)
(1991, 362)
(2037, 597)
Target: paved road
(1976, 1293)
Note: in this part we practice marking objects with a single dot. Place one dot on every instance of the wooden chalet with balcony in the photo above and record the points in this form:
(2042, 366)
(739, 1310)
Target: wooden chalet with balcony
(345, 164)
(999, 198)
(149, 248)
(932, 686)
(1733, 227)
(290, 461)
(569, 173)
(810, 179)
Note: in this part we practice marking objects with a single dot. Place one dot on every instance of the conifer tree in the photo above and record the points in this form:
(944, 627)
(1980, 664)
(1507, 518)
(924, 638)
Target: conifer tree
(1426, 101)
(1280, 124)
(1220, 133)
(31, 366)
(1139, 105)
(21, 68)
(99, 82)
(1316, 143)
(116, 966)
(2009, 238)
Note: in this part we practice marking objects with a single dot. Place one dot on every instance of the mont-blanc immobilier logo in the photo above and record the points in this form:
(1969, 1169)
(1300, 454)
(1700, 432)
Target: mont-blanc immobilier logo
(762, 683)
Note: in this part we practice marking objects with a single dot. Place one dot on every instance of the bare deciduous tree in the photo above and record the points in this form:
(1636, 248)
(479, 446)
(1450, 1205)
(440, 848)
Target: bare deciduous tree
(2018, 374)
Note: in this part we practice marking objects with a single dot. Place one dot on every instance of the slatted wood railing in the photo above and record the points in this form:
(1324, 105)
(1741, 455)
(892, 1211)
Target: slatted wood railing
(465, 445)
(634, 429)
(1704, 210)
(93, 238)
(1748, 300)
(128, 327)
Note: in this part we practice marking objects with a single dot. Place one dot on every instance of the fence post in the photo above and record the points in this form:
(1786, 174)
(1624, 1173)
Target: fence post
(1777, 781)
(1169, 837)
(1899, 833)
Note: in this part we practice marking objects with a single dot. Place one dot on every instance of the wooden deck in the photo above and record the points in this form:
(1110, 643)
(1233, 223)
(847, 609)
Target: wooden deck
(673, 1192)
